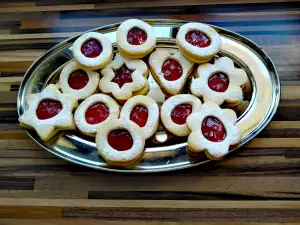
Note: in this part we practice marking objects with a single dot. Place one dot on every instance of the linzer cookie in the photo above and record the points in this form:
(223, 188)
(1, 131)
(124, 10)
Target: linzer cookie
(93, 111)
(176, 109)
(76, 81)
(49, 112)
(92, 51)
(198, 42)
(213, 131)
(135, 38)
(120, 142)
(170, 69)
(219, 82)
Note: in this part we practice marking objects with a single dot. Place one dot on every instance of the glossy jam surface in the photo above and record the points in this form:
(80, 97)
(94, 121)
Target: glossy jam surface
(180, 113)
(218, 82)
(120, 139)
(136, 36)
(122, 76)
(91, 48)
(197, 38)
(48, 108)
(172, 70)
(96, 113)
(139, 115)
(213, 129)
(78, 79)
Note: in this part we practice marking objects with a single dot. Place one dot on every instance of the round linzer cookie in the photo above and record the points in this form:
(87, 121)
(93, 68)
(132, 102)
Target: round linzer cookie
(198, 42)
(213, 131)
(93, 111)
(170, 69)
(176, 109)
(76, 81)
(120, 142)
(92, 51)
(219, 82)
(49, 112)
(144, 111)
(123, 77)
(135, 38)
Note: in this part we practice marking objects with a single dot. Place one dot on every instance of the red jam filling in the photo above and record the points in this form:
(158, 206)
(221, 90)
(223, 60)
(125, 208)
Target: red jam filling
(91, 48)
(218, 82)
(48, 108)
(197, 38)
(136, 36)
(213, 129)
(180, 113)
(96, 113)
(139, 115)
(172, 70)
(78, 79)
(120, 139)
(122, 76)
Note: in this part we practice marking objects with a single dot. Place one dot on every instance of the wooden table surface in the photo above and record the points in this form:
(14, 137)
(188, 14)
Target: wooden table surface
(259, 183)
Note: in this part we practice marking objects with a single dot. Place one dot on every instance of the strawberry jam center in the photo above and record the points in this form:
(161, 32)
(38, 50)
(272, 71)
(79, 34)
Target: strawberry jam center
(91, 48)
(197, 38)
(139, 115)
(120, 139)
(122, 76)
(213, 129)
(96, 113)
(172, 70)
(218, 82)
(180, 113)
(78, 79)
(48, 108)
(136, 36)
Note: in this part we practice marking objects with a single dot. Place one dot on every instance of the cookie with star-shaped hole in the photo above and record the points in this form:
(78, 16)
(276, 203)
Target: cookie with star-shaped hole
(123, 77)
(214, 130)
(48, 112)
(170, 69)
(219, 82)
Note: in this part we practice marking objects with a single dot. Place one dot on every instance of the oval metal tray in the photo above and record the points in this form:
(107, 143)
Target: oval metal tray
(170, 155)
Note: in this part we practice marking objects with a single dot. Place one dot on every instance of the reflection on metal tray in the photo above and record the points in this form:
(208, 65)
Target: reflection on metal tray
(164, 152)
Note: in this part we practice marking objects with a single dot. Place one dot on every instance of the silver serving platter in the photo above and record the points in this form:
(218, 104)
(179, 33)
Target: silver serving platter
(162, 153)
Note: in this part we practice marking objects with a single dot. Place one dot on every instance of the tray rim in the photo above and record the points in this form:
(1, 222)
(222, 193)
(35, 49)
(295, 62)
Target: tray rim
(260, 126)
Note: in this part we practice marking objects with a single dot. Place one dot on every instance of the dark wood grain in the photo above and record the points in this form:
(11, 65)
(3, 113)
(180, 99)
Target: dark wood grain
(259, 183)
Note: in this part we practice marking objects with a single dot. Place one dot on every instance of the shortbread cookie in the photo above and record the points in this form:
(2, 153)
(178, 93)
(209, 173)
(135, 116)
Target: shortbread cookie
(120, 142)
(170, 69)
(198, 42)
(92, 51)
(123, 77)
(135, 38)
(144, 111)
(76, 81)
(175, 111)
(93, 111)
(213, 131)
(219, 82)
(48, 112)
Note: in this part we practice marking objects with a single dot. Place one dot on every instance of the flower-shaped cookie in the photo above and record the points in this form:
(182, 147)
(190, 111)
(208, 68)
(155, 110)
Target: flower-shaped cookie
(144, 111)
(170, 69)
(78, 82)
(48, 112)
(176, 109)
(93, 111)
(219, 82)
(213, 131)
(198, 42)
(92, 51)
(123, 77)
(135, 38)
(120, 142)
